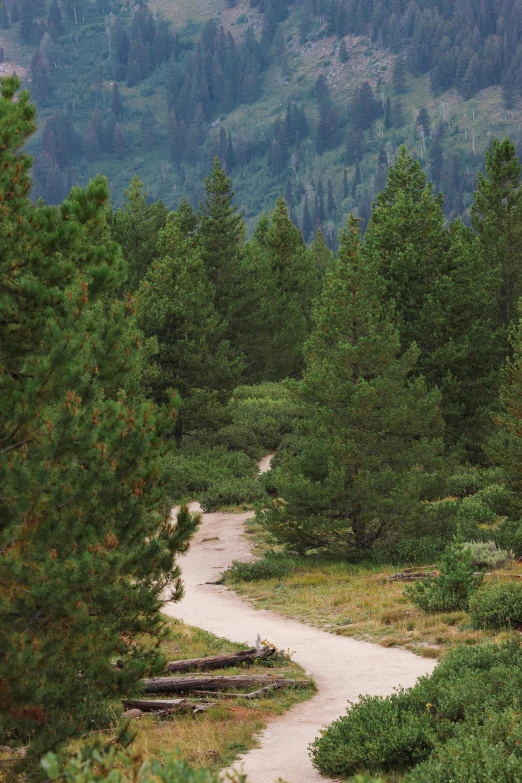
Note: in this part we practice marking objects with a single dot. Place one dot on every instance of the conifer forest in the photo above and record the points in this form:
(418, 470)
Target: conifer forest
(260, 348)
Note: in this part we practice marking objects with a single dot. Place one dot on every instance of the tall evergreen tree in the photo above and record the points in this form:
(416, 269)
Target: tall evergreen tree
(359, 466)
(496, 216)
(221, 236)
(175, 307)
(86, 538)
(136, 226)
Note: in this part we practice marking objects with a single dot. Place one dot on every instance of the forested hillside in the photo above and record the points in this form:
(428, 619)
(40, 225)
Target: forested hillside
(310, 101)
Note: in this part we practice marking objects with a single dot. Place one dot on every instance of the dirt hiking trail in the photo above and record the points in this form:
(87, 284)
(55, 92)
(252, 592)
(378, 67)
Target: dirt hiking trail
(342, 668)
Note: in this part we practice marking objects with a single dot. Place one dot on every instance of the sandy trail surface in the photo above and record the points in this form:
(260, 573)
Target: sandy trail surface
(342, 668)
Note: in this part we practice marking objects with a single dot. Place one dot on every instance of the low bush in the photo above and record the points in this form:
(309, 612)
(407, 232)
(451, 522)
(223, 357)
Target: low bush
(125, 767)
(231, 492)
(455, 585)
(497, 605)
(468, 481)
(378, 734)
(469, 689)
(508, 535)
(272, 566)
(473, 513)
(486, 554)
(491, 752)
(423, 549)
(213, 474)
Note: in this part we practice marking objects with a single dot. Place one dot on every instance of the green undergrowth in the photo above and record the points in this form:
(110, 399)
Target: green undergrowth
(461, 723)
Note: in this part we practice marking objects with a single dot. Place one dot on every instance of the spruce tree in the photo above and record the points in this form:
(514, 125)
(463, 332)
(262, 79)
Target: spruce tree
(496, 216)
(86, 537)
(221, 236)
(175, 309)
(406, 234)
(357, 469)
(293, 281)
(136, 227)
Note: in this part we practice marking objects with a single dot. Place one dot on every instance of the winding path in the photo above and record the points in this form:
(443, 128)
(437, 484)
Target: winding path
(342, 668)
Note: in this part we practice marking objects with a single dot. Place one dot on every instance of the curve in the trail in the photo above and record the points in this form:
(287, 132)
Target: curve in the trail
(342, 668)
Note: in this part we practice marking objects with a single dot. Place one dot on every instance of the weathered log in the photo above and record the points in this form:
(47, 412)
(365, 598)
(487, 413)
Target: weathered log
(252, 695)
(188, 684)
(165, 706)
(221, 661)
(412, 576)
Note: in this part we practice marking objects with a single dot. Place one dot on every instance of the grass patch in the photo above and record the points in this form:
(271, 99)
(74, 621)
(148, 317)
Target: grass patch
(356, 600)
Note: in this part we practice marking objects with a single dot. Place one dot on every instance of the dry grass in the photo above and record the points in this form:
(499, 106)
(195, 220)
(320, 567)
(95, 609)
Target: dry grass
(358, 601)
(214, 739)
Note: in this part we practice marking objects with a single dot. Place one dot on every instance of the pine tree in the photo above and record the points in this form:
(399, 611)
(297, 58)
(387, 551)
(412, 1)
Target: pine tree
(116, 106)
(330, 204)
(221, 237)
(343, 52)
(55, 18)
(307, 221)
(356, 179)
(323, 256)
(175, 307)
(136, 226)
(356, 470)
(496, 216)
(406, 232)
(291, 278)
(345, 184)
(399, 75)
(85, 518)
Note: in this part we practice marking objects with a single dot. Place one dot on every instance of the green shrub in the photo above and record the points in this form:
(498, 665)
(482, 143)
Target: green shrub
(272, 566)
(468, 690)
(508, 535)
(471, 515)
(497, 605)
(486, 554)
(125, 767)
(498, 498)
(377, 734)
(214, 472)
(480, 754)
(452, 589)
(231, 492)
(422, 549)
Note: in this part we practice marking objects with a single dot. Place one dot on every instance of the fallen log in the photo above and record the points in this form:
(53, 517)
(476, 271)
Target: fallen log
(412, 576)
(165, 706)
(188, 684)
(221, 661)
(252, 695)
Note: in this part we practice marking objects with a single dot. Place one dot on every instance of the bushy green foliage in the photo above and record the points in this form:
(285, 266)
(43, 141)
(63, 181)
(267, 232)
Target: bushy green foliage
(363, 459)
(234, 492)
(261, 417)
(272, 565)
(379, 734)
(497, 605)
(473, 513)
(486, 554)
(470, 689)
(83, 503)
(200, 471)
(480, 754)
(125, 767)
(411, 549)
(453, 587)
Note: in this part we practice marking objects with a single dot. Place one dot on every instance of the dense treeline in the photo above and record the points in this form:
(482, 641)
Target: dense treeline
(118, 84)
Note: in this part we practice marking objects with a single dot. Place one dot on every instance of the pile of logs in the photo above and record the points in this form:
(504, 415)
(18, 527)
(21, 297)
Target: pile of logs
(207, 685)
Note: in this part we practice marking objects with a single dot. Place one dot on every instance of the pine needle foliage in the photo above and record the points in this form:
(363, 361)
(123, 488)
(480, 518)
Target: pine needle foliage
(358, 468)
(88, 548)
